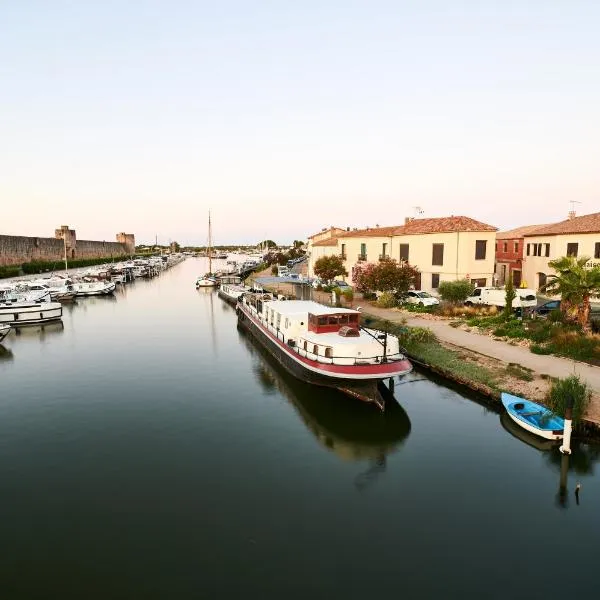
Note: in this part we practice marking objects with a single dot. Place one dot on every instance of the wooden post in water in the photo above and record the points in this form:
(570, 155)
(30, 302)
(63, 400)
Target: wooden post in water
(566, 445)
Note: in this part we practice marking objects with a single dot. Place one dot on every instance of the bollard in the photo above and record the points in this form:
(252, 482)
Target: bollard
(566, 445)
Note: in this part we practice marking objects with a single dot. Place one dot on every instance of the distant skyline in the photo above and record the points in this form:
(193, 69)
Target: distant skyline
(284, 118)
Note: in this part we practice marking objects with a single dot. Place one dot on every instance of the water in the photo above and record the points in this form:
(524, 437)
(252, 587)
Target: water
(149, 449)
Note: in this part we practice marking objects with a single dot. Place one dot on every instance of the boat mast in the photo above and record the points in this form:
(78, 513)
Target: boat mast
(209, 246)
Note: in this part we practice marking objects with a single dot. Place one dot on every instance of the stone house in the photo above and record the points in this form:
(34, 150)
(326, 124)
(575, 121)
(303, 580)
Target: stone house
(509, 253)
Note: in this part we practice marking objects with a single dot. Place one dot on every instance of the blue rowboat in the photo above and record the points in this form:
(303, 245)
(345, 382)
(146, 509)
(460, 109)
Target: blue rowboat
(533, 417)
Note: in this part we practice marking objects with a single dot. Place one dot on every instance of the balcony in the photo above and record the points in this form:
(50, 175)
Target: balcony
(384, 257)
(362, 257)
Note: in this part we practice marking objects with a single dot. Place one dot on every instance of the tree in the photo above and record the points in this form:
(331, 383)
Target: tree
(175, 247)
(330, 267)
(386, 276)
(575, 284)
(455, 291)
(509, 297)
(267, 244)
(298, 244)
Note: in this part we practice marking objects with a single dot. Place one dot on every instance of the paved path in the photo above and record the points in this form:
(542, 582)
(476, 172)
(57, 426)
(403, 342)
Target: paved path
(543, 364)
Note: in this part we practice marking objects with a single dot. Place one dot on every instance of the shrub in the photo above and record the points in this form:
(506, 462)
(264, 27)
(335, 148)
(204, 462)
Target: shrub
(369, 296)
(539, 349)
(455, 291)
(417, 335)
(556, 316)
(274, 270)
(348, 295)
(386, 300)
(575, 345)
(511, 329)
(9, 272)
(570, 387)
(417, 308)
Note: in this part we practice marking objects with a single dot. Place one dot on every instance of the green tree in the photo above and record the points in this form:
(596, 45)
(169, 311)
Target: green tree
(455, 291)
(575, 284)
(175, 247)
(298, 244)
(509, 297)
(386, 276)
(267, 244)
(330, 267)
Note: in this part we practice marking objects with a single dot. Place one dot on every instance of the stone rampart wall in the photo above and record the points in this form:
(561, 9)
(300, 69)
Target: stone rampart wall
(16, 250)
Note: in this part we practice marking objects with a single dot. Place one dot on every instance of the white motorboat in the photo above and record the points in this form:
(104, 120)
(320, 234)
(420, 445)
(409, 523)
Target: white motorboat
(4, 331)
(18, 292)
(29, 313)
(60, 288)
(94, 288)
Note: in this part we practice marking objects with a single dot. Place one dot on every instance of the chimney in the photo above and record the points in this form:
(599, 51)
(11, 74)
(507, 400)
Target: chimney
(347, 228)
(407, 220)
(571, 215)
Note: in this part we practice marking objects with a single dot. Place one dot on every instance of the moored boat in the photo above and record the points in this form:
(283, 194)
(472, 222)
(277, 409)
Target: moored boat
(94, 288)
(533, 417)
(324, 345)
(29, 313)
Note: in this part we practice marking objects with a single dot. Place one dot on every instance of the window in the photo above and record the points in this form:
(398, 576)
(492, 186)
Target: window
(547, 249)
(572, 249)
(505, 247)
(384, 249)
(343, 250)
(528, 249)
(363, 249)
(438, 255)
(435, 277)
(516, 247)
(480, 249)
(479, 283)
(597, 250)
(404, 252)
(477, 292)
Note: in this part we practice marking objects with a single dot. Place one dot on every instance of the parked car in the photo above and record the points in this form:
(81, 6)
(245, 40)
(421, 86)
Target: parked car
(343, 285)
(421, 298)
(543, 309)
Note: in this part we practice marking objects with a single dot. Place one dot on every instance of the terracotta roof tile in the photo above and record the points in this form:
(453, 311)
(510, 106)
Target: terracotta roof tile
(443, 225)
(519, 232)
(326, 230)
(326, 242)
(583, 224)
(370, 232)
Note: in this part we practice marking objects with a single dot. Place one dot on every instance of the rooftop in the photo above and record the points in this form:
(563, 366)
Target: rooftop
(519, 232)
(583, 224)
(296, 307)
(332, 241)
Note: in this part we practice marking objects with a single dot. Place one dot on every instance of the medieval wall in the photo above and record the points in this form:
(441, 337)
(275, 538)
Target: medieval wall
(16, 250)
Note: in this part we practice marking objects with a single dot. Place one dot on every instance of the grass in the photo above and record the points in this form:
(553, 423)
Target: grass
(571, 387)
(519, 372)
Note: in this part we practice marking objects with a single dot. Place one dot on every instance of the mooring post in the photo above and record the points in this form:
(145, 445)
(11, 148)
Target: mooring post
(566, 445)
(392, 384)
(562, 488)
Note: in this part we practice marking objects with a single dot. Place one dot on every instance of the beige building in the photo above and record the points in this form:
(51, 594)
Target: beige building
(576, 236)
(442, 249)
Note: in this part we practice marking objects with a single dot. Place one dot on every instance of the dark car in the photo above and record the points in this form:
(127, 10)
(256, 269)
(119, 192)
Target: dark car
(543, 309)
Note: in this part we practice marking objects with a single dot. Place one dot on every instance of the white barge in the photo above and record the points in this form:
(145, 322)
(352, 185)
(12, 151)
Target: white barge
(324, 345)
(17, 314)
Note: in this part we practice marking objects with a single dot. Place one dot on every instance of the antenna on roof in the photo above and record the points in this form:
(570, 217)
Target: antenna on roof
(572, 211)
(418, 211)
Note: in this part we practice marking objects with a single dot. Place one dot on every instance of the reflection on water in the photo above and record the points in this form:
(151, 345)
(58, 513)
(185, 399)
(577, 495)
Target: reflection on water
(350, 429)
(6, 353)
(40, 331)
(525, 436)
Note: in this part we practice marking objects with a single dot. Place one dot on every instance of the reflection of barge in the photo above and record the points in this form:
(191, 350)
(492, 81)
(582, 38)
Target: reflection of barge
(324, 345)
(355, 433)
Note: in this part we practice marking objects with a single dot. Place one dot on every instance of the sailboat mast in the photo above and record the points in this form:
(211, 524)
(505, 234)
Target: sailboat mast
(209, 245)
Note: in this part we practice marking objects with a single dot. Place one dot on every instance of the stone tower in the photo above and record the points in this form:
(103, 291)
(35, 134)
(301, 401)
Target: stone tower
(128, 241)
(64, 233)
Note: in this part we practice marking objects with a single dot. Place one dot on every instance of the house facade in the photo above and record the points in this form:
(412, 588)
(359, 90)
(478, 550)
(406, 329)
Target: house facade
(442, 249)
(509, 253)
(576, 236)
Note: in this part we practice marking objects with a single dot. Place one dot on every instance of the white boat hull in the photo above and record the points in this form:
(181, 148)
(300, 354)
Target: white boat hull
(548, 435)
(17, 315)
(4, 331)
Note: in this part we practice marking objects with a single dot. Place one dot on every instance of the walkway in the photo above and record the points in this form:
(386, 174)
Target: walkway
(543, 364)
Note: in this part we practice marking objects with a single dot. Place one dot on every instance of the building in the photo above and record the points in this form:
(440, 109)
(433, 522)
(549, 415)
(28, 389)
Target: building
(443, 249)
(509, 253)
(576, 236)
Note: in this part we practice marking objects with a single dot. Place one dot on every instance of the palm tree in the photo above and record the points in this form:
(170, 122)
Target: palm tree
(575, 284)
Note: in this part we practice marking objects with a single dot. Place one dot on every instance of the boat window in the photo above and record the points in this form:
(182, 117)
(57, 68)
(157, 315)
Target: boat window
(353, 319)
(333, 319)
(305, 346)
(315, 349)
(287, 322)
(328, 352)
(344, 320)
(278, 320)
(322, 321)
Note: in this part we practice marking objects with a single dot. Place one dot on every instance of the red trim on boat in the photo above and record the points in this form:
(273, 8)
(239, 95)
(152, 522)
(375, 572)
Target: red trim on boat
(388, 369)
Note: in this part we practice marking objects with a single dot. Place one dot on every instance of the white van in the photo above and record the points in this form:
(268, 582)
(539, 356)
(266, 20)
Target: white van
(525, 298)
(282, 271)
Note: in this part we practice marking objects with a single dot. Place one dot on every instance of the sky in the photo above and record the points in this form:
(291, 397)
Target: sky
(286, 117)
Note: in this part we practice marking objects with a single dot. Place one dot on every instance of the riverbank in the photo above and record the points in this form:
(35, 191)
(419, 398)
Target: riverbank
(480, 363)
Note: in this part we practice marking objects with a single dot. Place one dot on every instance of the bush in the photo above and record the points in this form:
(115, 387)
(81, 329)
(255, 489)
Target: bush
(369, 296)
(570, 387)
(417, 335)
(455, 291)
(417, 308)
(274, 270)
(556, 316)
(512, 329)
(573, 344)
(348, 295)
(539, 349)
(9, 272)
(386, 300)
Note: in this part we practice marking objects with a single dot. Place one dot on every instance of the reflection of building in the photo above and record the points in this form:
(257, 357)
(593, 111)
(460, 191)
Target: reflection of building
(576, 236)
(509, 253)
(443, 249)
(352, 430)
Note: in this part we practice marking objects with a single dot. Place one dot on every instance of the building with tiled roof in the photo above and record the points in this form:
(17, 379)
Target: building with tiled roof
(443, 249)
(575, 236)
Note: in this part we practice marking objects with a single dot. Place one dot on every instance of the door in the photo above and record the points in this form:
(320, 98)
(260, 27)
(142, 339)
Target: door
(516, 278)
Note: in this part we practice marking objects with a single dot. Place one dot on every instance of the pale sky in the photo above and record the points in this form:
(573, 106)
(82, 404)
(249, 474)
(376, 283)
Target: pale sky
(285, 117)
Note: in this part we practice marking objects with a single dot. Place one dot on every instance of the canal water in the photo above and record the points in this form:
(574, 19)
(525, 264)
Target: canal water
(149, 449)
